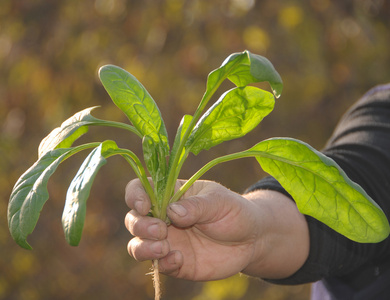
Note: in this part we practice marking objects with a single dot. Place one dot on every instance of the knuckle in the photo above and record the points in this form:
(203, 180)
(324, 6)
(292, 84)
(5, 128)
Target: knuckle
(130, 222)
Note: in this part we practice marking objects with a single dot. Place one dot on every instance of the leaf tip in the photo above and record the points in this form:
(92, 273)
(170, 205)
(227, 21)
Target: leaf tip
(24, 244)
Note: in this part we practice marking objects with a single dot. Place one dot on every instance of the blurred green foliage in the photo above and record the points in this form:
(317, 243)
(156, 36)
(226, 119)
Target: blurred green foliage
(327, 52)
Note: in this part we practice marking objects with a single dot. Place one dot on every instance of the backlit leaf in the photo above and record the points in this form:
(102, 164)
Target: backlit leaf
(322, 190)
(245, 68)
(236, 113)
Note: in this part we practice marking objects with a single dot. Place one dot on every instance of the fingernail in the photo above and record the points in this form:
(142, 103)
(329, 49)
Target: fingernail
(138, 206)
(157, 248)
(154, 231)
(178, 209)
(172, 258)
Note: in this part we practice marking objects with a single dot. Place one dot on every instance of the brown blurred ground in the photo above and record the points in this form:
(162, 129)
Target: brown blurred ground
(327, 52)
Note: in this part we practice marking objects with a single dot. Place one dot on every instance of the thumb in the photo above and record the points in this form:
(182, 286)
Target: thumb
(197, 209)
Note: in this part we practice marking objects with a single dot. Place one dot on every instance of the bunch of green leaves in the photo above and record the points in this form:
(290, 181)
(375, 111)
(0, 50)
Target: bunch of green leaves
(320, 188)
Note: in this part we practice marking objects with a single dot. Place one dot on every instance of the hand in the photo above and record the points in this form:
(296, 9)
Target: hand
(215, 233)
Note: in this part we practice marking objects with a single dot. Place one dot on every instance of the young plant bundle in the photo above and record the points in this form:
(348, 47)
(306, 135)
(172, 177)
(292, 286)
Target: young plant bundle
(317, 184)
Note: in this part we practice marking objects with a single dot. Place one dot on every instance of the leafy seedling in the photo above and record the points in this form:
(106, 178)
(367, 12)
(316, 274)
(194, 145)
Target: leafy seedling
(317, 184)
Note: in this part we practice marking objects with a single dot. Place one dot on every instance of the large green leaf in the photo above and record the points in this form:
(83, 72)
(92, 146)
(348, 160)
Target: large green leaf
(236, 113)
(78, 192)
(30, 194)
(318, 185)
(322, 190)
(71, 129)
(135, 101)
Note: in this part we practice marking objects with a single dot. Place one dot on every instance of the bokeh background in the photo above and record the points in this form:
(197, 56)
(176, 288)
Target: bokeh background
(327, 52)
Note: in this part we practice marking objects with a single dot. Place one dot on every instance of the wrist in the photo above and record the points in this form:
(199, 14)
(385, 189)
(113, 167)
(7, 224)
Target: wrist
(281, 243)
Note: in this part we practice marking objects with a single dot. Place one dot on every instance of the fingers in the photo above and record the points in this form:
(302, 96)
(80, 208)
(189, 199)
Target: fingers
(136, 197)
(193, 210)
(142, 249)
(171, 264)
(145, 227)
(207, 202)
(150, 241)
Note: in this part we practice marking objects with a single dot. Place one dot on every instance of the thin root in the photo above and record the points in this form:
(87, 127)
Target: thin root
(156, 280)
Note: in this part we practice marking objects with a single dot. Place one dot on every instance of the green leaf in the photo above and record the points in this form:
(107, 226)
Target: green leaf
(74, 127)
(318, 185)
(184, 123)
(245, 68)
(156, 162)
(30, 194)
(134, 100)
(260, 69)
(322, 190)
(236, 113)
(78, 192)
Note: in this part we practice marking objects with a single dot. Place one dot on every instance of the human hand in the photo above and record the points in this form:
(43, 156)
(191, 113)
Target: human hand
(216, 233)
(213, 233)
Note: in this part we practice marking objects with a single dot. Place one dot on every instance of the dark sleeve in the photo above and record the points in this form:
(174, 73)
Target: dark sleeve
(360, 144)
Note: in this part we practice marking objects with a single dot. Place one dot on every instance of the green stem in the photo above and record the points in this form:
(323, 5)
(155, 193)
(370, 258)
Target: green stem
(81, 148)
(177, 163)
(122, 126)
(139, 170)
(211, 164)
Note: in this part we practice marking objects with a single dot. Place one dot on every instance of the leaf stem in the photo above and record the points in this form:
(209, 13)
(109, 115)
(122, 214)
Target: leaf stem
(179, 159)
(122, 126)
(178, 163)
(211, 164)
(81, 148)
(139, 170)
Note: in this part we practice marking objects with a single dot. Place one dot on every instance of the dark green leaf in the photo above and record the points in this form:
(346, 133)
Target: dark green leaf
(322, 190)
(30, 194)
(78, 192)
(236, 113)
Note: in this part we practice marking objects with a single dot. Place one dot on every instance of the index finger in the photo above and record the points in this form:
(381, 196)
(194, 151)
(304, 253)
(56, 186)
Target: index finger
(136, 197)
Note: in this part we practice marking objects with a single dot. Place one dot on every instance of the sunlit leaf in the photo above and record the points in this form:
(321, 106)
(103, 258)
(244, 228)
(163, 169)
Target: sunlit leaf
(184, 123)
(236, 113)
(318, 185)
(322, 190)
(245, 68)
(135, 101)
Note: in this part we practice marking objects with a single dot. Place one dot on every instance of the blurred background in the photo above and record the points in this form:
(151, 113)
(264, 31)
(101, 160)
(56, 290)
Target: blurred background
(328, 53)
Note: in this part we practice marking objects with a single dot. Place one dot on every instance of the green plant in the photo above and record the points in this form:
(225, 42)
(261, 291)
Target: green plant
(320, 188)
